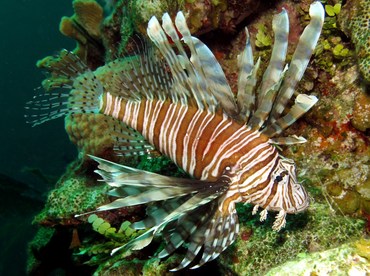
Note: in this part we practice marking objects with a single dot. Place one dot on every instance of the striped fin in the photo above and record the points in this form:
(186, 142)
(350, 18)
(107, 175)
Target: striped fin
(117, 175)
(300, 59)
(291, 140)
(206, 228)
(192, 206)
(220, 233)
(195, 81)
(162, 187)
(274, 73)
(159, 38)
(63, 69)
(208, 68)
(302, 104)
(132, 78)
(157, 212)
(261, 114)
(150, 195)
(201, 75)
(186, 208)
(139, 76)
(247, 80)
(177, 233)
(84, 98)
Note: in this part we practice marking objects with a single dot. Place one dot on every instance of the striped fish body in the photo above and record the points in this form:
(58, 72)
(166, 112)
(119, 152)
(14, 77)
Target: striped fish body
(203, 144)
(224, 141)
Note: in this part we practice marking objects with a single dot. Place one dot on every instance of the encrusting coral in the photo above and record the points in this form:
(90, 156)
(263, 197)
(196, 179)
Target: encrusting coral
(334, 164)
(355, 22)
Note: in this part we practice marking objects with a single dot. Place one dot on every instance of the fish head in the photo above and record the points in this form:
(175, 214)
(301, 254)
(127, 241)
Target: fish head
(287, 192)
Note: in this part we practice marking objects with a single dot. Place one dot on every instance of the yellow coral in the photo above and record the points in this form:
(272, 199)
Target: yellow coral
(84, 26)
(88, 15)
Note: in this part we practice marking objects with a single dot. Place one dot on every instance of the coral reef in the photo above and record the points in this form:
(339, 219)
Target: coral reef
(92, 134)
(74, 193)
(334, 164)
(84, 27)
(259, 249)
(355, 22)
(336, 156)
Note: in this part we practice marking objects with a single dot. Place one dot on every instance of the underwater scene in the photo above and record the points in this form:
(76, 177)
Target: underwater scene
(185, 137)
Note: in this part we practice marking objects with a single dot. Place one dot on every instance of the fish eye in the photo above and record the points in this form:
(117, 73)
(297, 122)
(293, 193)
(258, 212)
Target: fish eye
(278, 178)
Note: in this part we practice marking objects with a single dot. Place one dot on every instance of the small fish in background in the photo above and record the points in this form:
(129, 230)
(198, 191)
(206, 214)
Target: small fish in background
(224, 142)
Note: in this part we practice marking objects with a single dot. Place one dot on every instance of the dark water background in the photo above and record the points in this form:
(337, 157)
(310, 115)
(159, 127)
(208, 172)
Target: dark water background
(29, 31)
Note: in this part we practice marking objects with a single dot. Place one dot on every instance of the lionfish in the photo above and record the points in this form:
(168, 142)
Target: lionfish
(224, 142)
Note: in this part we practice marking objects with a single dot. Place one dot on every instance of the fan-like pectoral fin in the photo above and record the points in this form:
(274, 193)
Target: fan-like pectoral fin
(215, 230)
(182, 209)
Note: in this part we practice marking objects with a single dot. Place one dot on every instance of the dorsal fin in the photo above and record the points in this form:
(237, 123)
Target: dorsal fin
(247, 80)
(208, 68)
(274, 73)
(301, 57)
(200, 77)
(279, 82)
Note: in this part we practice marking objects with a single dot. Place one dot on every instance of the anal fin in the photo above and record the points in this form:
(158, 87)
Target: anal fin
(129, 142)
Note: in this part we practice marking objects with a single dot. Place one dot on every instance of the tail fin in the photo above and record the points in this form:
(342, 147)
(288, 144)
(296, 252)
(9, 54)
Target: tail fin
(83, 98)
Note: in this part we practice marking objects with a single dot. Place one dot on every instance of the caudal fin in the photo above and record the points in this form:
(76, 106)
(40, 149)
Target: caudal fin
(75, 90)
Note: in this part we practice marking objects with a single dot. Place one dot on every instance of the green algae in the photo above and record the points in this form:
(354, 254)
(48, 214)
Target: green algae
(333, 10)
(72, 197)
(263, 38)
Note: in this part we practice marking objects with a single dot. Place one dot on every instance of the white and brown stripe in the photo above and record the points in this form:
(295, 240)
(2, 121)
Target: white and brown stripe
(206, 145)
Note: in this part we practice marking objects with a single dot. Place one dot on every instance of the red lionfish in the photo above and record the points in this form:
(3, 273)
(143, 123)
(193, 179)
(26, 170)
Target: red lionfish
(224, 142)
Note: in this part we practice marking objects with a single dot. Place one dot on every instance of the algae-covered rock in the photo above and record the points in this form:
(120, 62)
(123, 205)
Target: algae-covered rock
(73, 195)
(361, 112)
(259, 248)
(355, 21)
(347, 259)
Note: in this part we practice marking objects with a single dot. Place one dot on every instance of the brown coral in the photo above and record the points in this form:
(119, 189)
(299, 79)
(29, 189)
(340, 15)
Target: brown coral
(84, 27)
(205, 16)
